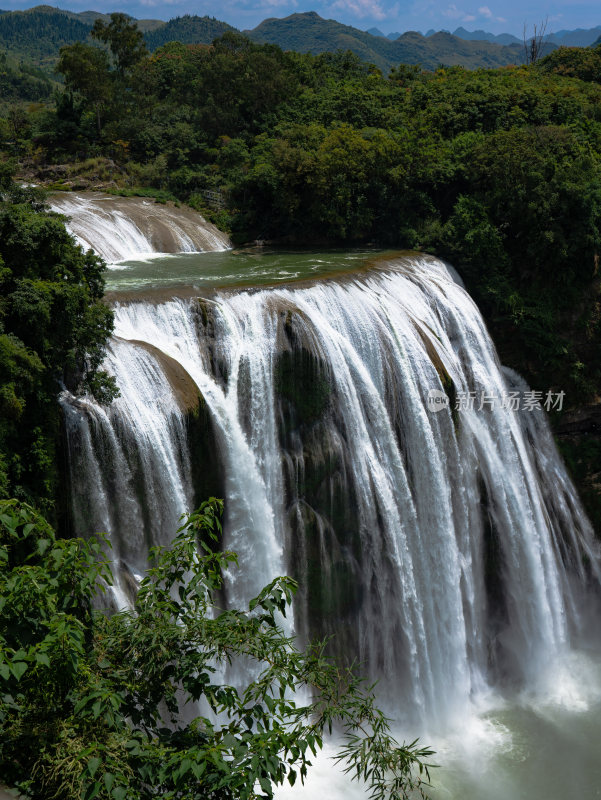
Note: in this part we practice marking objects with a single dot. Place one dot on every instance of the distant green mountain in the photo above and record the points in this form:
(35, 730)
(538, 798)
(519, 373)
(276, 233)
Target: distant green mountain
(23, 81)
(90, 17)
(147, 25)
(484, 36)
(188, 30)
(444, 48)
(87, 17)
(309, 33)
(39, 33)
(581, 37)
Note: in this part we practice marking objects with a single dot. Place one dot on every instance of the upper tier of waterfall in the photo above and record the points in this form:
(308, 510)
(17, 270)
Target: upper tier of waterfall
(443, 545)
(121, 228)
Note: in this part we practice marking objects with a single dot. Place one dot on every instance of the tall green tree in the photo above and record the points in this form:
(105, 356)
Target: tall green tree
(87, 71)
(124, 39)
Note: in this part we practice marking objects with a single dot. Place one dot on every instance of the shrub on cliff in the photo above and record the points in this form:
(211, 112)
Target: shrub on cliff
(53, 327)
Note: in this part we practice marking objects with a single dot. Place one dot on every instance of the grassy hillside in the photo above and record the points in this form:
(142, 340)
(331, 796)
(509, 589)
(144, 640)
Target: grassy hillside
(309, 33)
(22, 81)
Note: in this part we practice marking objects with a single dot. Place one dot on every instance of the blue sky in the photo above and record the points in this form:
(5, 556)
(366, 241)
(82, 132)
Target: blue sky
(388, 15)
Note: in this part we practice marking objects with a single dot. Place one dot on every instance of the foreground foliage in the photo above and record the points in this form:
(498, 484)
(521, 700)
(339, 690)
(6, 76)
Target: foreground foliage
(94, 705)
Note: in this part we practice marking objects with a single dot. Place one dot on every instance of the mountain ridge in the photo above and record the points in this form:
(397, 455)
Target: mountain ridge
(308, 32)
(38, 33)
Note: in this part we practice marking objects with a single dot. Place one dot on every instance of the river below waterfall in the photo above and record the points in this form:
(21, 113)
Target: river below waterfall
(522, 748)
(447, 550)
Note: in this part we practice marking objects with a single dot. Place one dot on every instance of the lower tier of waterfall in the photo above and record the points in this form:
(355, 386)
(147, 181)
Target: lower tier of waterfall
(360, 432)
(121, 228)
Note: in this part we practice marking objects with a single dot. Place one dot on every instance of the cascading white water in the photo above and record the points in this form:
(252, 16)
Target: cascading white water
(139, 470)
(447, 551)
(122, 228)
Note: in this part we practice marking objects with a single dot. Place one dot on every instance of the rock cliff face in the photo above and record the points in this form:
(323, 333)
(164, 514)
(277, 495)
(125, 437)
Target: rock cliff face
(579, 438)
(581, 421)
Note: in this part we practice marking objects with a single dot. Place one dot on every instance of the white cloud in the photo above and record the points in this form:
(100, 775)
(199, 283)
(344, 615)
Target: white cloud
(452, 12)
(276, 3)
(484, 11)
(361, 8)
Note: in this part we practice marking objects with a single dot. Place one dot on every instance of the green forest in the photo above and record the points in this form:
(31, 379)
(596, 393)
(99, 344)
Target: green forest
(497, 171)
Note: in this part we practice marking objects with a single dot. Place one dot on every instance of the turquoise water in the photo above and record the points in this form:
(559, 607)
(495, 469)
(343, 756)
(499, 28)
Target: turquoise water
(545, 747)
(255, 267)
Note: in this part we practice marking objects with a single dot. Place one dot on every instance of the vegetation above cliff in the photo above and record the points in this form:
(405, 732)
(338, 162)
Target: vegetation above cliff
(497, 170)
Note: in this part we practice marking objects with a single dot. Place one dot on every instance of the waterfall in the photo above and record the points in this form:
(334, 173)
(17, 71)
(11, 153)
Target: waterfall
(445, 550)
(122, 228)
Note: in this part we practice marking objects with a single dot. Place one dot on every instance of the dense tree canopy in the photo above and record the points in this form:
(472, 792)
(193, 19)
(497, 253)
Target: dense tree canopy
(574, 62)
(52, 331)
